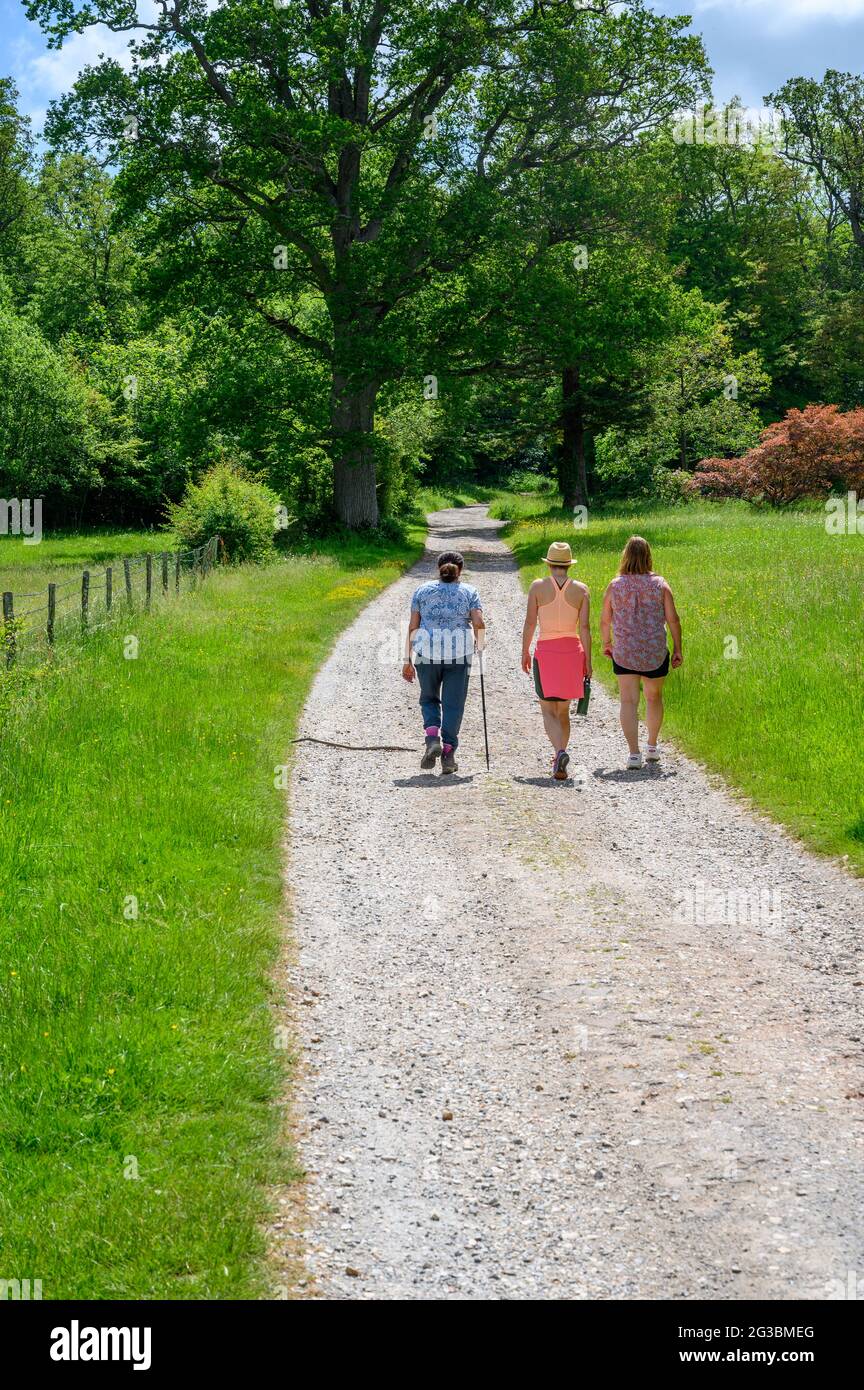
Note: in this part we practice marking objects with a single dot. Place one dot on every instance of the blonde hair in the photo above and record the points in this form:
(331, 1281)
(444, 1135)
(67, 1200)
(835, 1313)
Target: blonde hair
(636, 557)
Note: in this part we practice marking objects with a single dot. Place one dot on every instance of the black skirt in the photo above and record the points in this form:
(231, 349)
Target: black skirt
(662, 670)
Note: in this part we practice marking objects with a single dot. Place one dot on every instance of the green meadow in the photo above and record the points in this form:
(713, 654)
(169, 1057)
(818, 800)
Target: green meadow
(141, 914)
(60, 559)
(771, 693)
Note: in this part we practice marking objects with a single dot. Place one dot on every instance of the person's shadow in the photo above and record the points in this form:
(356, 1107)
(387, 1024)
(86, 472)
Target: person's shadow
(432, 779)
(633, 774)
(551, 782)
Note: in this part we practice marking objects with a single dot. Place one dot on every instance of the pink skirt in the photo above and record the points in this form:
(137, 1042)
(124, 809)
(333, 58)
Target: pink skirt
(561, 668)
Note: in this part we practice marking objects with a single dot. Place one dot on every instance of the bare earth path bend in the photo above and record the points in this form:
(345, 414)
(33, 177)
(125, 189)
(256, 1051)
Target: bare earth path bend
(642, 1106)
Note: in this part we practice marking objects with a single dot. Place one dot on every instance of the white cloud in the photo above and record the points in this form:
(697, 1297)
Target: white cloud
(42, 74)
(56, 70)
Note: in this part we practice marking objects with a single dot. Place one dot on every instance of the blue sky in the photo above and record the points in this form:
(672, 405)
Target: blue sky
(753, 46)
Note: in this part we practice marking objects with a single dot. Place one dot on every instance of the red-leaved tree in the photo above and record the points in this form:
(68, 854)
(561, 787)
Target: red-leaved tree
(808, 454)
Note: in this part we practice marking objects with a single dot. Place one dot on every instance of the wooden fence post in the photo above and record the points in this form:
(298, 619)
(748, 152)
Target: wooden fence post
(52, 608)
(127, 572)
(109, 588)
(85, 598)
(177, 573)
(164, 571)
(8, 630)
(149, 568)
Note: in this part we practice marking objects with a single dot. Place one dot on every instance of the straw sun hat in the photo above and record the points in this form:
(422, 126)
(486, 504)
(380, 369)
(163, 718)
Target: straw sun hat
(559, 553)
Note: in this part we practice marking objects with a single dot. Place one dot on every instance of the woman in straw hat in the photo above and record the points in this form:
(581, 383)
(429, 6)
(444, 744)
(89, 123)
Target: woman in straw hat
(562, 655)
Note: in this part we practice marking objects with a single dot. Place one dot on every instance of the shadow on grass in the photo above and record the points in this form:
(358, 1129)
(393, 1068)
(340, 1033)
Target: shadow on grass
(557, 525)
(358, 550)
(440, 499)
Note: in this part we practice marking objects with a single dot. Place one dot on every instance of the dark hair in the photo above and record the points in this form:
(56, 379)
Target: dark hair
(449, 566)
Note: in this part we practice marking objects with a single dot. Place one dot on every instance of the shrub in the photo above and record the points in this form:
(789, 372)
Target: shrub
(229, 501)
(138, 398)
(624, 463)
(807, 454)
(721, 478)
(671, 486)
(46, 444)
(396, 473)
(307, 474)
(530, 480)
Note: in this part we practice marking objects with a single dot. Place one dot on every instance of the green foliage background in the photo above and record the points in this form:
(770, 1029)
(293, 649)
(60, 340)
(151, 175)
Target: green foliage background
(579, 284)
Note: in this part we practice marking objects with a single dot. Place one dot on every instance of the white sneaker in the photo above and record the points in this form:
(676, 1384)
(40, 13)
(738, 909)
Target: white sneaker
(653, 754)
(635, 760)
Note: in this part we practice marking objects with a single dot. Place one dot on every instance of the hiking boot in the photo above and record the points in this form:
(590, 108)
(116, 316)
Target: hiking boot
(433, 752)
(559, 765)
(448, 760)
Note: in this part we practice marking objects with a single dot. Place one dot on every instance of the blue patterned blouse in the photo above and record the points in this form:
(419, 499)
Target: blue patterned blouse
(445, 633)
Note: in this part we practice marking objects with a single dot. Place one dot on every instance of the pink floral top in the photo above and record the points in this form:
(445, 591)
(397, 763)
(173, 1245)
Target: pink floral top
(638, 621)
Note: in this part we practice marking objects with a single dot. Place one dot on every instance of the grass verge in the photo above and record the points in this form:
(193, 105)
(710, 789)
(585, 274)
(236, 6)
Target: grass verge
(140, 899)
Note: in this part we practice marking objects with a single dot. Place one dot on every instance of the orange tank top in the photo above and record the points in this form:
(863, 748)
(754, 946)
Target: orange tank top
(558, 618)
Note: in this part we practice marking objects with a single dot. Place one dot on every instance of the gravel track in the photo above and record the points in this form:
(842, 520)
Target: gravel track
(644, 1103)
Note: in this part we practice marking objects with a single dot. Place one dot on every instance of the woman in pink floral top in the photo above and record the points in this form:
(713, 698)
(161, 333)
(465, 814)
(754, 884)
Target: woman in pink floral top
(637, 609)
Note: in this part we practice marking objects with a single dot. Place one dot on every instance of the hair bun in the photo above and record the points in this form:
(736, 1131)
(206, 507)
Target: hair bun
(450, 562)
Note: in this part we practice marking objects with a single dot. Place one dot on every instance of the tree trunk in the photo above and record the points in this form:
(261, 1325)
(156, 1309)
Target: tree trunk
(682, 433)
(352, 419)
(572, 474)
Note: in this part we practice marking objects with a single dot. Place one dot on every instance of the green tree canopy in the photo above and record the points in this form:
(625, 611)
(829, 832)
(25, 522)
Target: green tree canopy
(324, 164)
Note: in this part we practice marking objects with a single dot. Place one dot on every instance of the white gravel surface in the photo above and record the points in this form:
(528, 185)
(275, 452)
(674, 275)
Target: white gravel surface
(529, 1070)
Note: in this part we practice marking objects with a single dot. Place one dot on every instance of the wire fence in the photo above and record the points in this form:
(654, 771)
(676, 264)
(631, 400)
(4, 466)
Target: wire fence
(94, 598)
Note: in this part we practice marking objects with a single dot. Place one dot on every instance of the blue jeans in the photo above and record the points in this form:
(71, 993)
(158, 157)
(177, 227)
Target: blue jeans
(443, 691)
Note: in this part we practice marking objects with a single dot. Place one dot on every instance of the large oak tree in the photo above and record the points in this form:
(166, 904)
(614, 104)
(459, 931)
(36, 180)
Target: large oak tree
(323, 162)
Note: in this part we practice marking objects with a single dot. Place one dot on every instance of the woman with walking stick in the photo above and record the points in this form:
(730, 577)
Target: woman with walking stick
(446, 622)
(562, 655)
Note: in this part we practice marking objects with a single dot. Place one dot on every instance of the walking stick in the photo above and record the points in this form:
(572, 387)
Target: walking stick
(483, 698)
